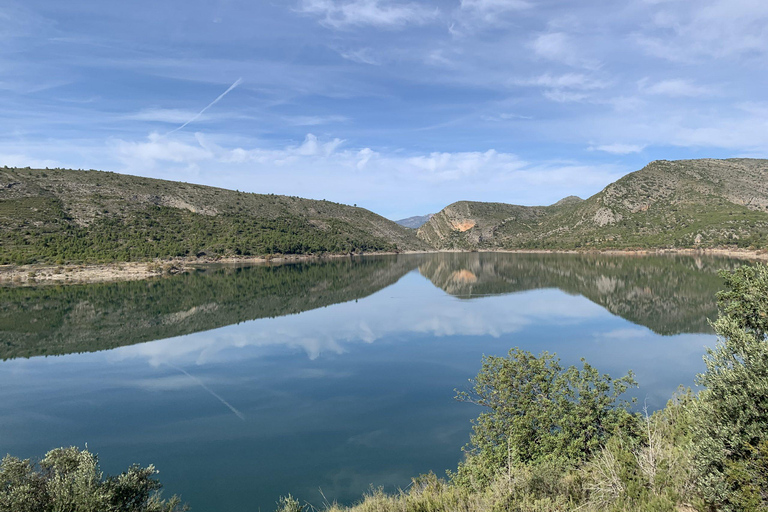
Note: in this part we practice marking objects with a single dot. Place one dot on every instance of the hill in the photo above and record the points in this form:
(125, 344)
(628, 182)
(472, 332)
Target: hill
(58, 216)
(415, 222)
(689, 203)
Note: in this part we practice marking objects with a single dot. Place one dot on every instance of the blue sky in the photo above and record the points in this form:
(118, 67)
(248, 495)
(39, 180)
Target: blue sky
(399, 106)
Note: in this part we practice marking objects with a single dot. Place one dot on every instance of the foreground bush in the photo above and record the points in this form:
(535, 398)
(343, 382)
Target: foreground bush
(731, 448)
(69, 480)
(540, 413)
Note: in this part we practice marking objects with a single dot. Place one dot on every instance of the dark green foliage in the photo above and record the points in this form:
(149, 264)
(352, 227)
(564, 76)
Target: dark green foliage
(163, 232)
(540, 412)
(69, 480)
(732, 427)
(745, 299)
(65, 216)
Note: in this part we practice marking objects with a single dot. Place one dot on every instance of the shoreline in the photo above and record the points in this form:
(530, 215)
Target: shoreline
(35, 275)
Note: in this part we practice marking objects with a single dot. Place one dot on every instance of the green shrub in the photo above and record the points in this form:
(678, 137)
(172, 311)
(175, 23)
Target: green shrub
(69, 479)
(731, 430)
(540, 412)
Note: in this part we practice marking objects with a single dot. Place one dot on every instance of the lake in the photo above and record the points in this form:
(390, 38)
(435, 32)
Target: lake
(322, 379)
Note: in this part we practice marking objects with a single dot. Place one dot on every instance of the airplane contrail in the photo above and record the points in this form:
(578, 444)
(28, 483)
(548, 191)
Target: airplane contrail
(202, 385)
(197, 116)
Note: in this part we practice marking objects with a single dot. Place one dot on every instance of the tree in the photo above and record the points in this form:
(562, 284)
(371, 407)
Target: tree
(731, 431)
(539, 412)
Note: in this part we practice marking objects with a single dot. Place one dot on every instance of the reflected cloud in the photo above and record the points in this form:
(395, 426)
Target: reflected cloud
(333, 329)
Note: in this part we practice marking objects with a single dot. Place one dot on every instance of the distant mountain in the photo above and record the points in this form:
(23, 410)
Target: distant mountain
(415, 222)
(61, 216)
(687, 203)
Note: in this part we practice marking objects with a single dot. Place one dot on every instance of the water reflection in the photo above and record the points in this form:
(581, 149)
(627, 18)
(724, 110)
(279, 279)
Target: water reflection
(669, 295)
(242, 400)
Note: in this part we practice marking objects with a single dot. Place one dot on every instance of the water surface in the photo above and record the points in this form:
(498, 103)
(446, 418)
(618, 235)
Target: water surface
(242, 384)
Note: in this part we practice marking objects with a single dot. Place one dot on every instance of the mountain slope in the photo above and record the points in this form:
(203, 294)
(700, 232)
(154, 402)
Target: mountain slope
(689, 203)
(85, 216)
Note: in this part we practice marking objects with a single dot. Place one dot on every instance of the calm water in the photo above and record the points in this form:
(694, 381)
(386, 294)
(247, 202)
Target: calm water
(241, 385)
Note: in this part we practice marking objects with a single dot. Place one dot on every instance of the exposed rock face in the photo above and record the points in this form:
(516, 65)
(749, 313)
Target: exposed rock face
(687, 203)
(467, 224)
(605, 216)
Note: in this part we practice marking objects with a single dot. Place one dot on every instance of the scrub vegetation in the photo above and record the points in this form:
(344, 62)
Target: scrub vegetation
(58, 216)
(69, 479)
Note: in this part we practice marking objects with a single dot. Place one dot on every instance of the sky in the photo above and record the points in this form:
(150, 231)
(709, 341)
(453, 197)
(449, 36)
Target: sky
(398, 106)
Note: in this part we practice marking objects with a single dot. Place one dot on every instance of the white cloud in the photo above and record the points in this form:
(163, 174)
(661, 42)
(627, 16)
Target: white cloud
(377, 13)
(565, 96)
(21, 160)
(560, 47)
(690, 31)
(361, 56)
(163, 115)
(676, 88)
(454, 166)
(314, 120)
(494, 6)
(565, 81)
(504, 116)
(618, 149)
(489, 11)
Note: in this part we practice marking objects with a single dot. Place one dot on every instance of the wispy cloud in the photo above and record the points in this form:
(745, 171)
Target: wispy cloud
(560, 47)
(490, 11)
(707, 29)
(377, 13)
(564, 81)
(675, 88)
(314, 120)
(361, 55)
(163, 115)
(618, 149)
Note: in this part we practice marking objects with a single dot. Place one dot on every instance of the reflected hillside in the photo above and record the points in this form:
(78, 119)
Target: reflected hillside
(667, 294)
(84, 318)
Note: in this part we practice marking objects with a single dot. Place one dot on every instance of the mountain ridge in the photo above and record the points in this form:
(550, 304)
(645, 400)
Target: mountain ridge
(703, 203)
(57, 216)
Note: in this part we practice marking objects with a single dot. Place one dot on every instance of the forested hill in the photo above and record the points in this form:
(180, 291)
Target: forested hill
(688, 203)
(65, 216)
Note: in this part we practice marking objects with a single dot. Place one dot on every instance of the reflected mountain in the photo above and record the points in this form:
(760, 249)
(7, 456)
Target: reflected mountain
(668, 294)
(55, 320)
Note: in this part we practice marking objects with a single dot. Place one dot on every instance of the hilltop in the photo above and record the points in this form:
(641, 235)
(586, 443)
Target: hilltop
(416, 221)
(681, 204)
(65, 216)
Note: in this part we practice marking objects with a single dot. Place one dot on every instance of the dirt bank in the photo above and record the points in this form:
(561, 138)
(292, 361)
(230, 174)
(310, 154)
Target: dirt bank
(32, 275)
